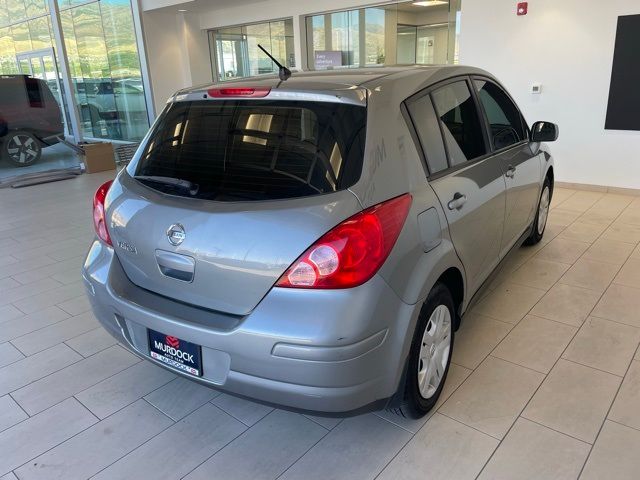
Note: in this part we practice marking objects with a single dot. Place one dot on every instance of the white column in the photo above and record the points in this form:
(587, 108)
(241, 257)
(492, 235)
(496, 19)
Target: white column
(61, 54)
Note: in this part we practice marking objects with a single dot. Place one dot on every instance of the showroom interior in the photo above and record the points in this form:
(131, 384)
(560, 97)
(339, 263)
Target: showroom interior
(544, 376)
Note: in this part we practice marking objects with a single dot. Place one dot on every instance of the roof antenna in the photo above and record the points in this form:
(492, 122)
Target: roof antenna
(283, 72)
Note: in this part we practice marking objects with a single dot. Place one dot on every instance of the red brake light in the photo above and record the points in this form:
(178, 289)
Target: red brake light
(99, 220)
(256, 92)
(353, 251)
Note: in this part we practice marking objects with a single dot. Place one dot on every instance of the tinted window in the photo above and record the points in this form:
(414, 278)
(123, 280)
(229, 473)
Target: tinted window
(425, 122)
(255, 149)
(505, 121)
(460, 122)
(34, 92)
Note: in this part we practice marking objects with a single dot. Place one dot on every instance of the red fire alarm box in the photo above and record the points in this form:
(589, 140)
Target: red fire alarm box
(522, 8)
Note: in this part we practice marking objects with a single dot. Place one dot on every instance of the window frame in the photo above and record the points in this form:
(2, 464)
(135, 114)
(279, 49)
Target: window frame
(485, 118)
(427, 91)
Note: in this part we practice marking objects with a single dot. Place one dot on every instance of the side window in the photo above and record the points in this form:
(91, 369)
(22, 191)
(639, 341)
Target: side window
(505, 121)
(425, 122)
(460, 122)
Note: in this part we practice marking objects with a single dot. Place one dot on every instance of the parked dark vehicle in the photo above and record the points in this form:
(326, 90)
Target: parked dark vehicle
(30, 119)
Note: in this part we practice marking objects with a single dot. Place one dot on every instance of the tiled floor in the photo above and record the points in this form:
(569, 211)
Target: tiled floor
(544, 382)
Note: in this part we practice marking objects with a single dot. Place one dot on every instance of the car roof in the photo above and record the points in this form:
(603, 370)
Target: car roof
(348, 83)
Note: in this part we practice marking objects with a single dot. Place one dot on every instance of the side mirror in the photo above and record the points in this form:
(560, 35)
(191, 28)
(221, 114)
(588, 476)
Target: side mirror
(544, 132)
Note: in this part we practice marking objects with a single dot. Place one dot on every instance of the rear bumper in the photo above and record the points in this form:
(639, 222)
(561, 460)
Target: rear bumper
(322, 351)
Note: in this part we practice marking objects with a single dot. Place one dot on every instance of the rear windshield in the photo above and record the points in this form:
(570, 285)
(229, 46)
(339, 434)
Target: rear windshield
(240, 150)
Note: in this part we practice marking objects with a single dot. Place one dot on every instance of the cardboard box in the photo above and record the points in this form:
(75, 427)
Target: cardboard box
(98, 157)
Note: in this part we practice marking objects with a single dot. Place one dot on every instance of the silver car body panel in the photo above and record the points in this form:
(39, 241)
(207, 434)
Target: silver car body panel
(319, 350)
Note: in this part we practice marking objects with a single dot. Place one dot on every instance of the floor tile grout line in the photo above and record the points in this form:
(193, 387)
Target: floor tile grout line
(173, 422)
(67, 398)
(606, 415)
(51, 373)
(246, 432)
(300, 457)
(59, 286)
(546, 376)
(66, 439)
(23, 411)
(98, 420)
(564, 434)
(70, 269)
(317, 423)
(43, 327)
(74, 363)
(533, 370)
(474, 428)
(411, 437)
(47, 290)
(130, 403)
(637, 429)
(14, 361)
(388, 420)
(93, 353)
(160, 410)
(592, 367)
(51, 325)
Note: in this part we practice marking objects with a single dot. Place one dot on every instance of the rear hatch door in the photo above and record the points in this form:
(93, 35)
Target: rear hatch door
(226, 194)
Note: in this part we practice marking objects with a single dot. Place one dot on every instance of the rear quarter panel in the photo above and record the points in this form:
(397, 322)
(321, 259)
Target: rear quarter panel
(393, 167)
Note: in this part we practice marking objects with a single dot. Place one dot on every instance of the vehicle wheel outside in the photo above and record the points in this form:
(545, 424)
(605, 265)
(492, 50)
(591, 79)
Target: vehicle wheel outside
(21, 148)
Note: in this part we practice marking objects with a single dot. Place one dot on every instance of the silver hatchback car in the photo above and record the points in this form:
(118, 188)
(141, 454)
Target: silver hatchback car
(314, 243)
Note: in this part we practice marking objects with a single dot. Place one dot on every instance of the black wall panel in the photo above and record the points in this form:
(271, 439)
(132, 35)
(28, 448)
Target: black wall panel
(623, 109)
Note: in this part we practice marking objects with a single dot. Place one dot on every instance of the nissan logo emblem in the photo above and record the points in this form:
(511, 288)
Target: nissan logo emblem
(176, 234)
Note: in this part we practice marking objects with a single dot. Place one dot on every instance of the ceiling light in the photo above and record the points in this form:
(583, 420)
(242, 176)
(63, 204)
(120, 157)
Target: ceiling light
(181, 10)
(429, 3)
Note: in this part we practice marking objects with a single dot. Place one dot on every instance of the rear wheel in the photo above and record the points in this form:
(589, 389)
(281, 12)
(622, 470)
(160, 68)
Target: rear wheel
(430, 354)
(21, 148)
(540, 222)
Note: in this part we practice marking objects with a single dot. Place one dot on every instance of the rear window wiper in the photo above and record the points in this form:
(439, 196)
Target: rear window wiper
(176, 183)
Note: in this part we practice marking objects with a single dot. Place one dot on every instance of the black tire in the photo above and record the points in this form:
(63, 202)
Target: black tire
(414, 404)
(537, 231)
(21, 148)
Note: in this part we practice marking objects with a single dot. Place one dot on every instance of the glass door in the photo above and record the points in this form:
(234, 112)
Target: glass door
(233, 57)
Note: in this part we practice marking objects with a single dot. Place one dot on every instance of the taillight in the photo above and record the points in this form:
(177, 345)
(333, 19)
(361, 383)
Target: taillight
(256, 92)
(99, 219)
(352, 252)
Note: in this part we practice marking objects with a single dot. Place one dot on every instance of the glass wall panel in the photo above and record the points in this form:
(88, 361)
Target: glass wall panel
(105, 74)
(124, 62)
(102, 57)
(40, 33)
(8, 63)
(33, 8)
(407, 35)
(402, 33)
(16, 11)
(21, 37)
(235, 51)
(374, 35)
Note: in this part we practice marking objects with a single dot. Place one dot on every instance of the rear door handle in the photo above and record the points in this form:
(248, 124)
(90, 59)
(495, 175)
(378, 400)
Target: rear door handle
(458, 201)
(511, 172)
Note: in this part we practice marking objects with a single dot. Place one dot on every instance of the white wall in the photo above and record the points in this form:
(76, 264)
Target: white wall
(567, 46)
(177, 52)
